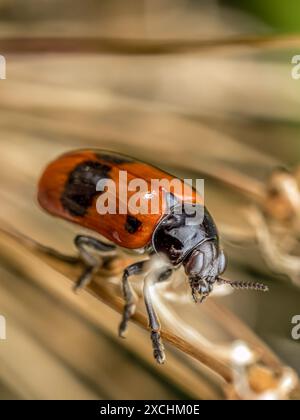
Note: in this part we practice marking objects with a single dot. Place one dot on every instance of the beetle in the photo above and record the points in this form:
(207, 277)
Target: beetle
(68, 188)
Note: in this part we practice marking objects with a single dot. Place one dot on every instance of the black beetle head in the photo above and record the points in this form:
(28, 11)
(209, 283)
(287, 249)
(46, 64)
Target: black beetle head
(203, 267)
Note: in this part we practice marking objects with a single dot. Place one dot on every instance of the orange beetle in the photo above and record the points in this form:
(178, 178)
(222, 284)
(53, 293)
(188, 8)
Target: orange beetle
(69, 188)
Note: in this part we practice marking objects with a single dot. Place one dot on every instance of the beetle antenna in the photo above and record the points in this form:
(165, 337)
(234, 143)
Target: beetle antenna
(242, 285)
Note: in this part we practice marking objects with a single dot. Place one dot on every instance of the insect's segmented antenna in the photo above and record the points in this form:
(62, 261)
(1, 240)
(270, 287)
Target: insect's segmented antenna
(244, 285)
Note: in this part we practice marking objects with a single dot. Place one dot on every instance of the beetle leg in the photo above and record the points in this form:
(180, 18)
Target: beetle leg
(93, 263)
(129, 294)
(150, 281)
(86, 277)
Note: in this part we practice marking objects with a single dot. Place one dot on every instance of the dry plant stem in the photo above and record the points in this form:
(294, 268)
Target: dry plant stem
(28, 45)
(71, 269)
(232, 324)
(277, 259)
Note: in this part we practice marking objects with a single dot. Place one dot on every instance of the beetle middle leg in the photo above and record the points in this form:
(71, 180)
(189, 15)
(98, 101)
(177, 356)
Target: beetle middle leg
(92, 262)
(151, 281)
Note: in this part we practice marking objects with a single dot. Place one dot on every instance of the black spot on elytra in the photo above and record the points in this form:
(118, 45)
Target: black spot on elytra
(113, 158)
(132, 224)
(80, 188)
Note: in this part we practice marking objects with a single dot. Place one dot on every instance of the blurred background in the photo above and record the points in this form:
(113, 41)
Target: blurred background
(198, 88)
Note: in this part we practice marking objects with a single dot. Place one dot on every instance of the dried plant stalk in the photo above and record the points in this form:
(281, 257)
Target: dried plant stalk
(143, 47)
(71, 266)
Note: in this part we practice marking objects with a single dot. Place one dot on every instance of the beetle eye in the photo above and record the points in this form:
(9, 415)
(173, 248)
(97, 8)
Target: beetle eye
(195, 263)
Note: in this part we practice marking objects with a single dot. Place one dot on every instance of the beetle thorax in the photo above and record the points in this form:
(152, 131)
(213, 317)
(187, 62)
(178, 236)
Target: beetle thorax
(179, 232)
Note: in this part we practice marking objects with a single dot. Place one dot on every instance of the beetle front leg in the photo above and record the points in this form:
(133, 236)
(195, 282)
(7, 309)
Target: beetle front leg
(93, 263)
(150, 282)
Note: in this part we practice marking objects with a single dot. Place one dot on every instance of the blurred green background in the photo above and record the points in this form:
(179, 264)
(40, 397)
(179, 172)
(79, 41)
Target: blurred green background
(280, 16)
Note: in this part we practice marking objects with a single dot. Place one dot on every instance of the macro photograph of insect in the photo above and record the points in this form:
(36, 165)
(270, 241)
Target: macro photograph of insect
(150, 202)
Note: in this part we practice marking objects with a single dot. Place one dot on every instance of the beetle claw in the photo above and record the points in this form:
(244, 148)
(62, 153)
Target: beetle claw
(158, 348)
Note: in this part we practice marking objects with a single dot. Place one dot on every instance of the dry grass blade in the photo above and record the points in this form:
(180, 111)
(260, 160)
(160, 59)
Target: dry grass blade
(120, 46)
(70, 267)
